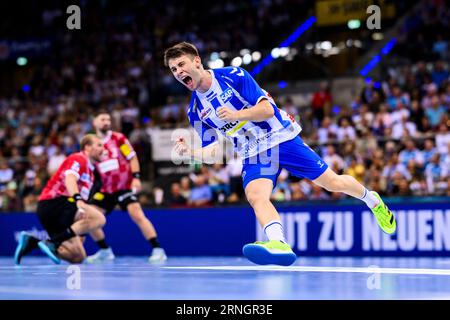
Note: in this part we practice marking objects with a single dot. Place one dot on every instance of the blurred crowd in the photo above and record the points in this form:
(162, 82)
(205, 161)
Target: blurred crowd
(394, 137)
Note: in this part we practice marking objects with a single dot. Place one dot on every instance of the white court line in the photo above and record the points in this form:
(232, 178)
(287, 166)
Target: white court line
(438, 272)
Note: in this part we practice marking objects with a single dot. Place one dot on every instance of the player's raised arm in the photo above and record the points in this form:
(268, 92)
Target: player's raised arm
(205, 154)
(263, 110)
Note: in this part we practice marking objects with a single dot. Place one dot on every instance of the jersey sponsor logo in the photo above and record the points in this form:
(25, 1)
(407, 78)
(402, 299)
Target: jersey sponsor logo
(205, 113)
(75, 166)
(108, 165)
(226, 95)
(228, 126)
(85, 177)
(254, 143)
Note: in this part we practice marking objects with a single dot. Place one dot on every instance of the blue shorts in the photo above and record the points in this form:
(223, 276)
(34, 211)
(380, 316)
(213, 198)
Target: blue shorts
(293, 155)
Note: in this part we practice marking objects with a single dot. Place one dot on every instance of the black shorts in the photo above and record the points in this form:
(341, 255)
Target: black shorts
(108, 201)
(56, 215)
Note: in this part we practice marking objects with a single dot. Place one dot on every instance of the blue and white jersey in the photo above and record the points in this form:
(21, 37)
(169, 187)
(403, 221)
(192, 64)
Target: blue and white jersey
(235, 88)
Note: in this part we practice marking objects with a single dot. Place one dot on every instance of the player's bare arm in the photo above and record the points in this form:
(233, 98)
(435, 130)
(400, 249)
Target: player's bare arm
(136, 185)
(207, 154)
(72, 187)
(263, 110)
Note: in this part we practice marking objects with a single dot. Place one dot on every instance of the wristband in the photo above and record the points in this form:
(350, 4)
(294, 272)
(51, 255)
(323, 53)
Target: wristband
(136, 175)
(77, 197)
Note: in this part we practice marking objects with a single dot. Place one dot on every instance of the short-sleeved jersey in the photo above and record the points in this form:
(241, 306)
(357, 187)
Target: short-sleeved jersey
(235, 88)
(77, 164)
(115, 168)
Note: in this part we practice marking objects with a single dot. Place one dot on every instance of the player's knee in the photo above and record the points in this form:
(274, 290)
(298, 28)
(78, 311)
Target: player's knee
(101, 220)
(77, 258)
(98, 219)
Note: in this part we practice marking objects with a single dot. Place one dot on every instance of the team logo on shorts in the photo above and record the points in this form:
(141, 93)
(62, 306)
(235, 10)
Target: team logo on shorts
(320, 163)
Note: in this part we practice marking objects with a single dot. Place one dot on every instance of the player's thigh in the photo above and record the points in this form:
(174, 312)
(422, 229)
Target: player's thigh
(91, 212)
(326, 180)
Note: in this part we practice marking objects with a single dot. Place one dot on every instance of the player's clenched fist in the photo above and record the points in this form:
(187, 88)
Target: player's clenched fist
(226, 114)
(181, 147)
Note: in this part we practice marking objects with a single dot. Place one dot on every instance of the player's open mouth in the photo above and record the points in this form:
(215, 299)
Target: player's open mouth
(187, 80)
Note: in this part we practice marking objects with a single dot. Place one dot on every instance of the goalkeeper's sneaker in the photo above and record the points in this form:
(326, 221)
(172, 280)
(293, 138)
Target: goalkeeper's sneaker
(102, 255)
(269, 252)
(385, 217)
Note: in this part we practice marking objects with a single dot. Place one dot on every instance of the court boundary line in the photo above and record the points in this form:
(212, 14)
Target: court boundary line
(371, 270)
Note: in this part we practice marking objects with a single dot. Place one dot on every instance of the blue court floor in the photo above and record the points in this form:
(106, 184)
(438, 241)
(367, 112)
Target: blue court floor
(228, 278)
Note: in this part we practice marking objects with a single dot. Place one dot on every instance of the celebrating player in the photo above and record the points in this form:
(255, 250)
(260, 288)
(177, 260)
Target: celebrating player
(120, 177)
(229, 101)
(62, 207)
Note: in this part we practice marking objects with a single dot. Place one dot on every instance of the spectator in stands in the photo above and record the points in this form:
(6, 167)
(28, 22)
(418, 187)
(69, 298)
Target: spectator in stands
(10, 202)
(327, 131)
(364, 118)
(32, 196)
(428, 150)
(436, 175)
(185, 187)
(383, 119)
(321, 102)
(201, 194)
(175, 198)
(55, 161)
(393, 167)
(6, 174)
(439, 74)
(403, 129)
(345, 131)
(411, 153)
(333, 159)
(435, 112)
(356, 169)
(219, 182)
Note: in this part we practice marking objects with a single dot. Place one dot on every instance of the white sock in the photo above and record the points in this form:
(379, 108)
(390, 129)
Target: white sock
(274, 231)
(370, 199)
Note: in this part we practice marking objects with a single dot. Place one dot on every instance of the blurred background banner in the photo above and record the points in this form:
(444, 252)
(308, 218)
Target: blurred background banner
(336, 12)
(311, 230)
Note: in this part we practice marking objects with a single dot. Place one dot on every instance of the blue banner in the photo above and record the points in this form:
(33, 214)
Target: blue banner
(423, 229)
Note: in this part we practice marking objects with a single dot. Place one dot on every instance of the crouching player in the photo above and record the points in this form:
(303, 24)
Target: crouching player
(62, 208)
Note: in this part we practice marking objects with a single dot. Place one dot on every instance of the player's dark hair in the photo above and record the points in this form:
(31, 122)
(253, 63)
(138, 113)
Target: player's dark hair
(87, 140)
(178, 50)
(100, 111)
